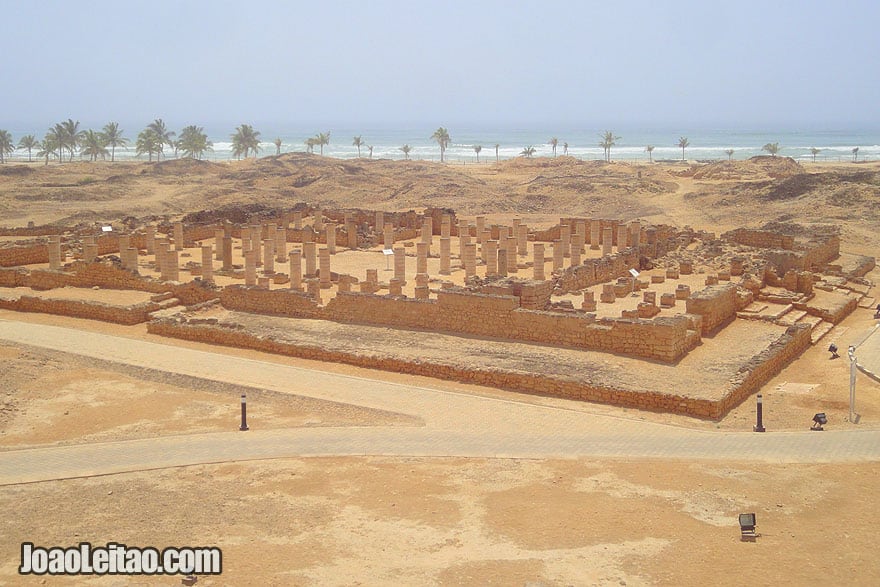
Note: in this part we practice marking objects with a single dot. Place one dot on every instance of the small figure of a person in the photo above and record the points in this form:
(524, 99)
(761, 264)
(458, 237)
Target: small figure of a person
(833, 350)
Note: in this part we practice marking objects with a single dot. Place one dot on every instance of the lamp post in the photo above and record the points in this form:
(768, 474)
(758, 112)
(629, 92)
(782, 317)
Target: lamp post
(851, 351)
(244, 425)
(759, 426)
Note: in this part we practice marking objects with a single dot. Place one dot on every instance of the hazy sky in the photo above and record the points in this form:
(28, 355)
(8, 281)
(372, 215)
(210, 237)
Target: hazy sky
(445, 62)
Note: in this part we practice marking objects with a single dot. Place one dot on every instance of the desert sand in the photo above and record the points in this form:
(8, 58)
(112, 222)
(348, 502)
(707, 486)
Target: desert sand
(410, 520)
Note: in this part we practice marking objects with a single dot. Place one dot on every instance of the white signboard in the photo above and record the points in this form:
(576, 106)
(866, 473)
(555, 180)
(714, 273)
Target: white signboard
(387, 252)
(107, 228)
(633, 272)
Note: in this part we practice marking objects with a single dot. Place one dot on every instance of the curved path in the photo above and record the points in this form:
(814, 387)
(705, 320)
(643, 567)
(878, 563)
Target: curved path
(455, 424)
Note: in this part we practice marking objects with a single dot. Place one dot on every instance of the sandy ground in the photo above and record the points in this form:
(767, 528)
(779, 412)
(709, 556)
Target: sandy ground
(406, 521)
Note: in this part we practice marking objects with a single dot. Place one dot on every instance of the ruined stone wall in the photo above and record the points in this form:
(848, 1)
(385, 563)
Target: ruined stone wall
(106, 276)
(716, 304)
(19, 255)
(275, 302)
(127, 315)
(820, 251)
(764, 366)
(531, 383)
(763, 239)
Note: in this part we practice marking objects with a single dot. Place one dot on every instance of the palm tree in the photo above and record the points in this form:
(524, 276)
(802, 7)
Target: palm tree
(245, 140)
(496, 152)
(553, 142)
(771, 148)
(194, 142)
(608, 141)
(358, 142)
(277, 143)
(164, 135)
(729, 153)
(47, 147)
(148, 142)
(6, 145)
(93, 145)
(321, 139)
(814, 151)
(855, 153)
(70, 135)
(650, 151)
(528, 151)
(565, 148)
(683, 143)
(113, 137)
(406, 149)
(441, 136)
(28, 142)
(477, 149)
(310, 145)
(55, 139)
(370, 149)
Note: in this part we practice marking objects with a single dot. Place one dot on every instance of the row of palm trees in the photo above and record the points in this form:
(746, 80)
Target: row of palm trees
(68, 138)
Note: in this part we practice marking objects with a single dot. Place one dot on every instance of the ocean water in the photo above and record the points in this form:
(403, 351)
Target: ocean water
(706, 144)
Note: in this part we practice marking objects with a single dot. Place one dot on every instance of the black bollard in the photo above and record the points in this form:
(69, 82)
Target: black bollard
(244, 425)
(759, 427)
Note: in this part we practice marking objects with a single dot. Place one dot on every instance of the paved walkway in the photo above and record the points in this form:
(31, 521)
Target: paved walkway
(455, 424)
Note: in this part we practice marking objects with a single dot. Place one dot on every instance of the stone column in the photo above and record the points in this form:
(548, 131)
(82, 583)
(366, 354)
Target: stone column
(470, 260)
(281, 245)
(502, 262)
(324, 260)
(575, 254)
(351, 228)
(445, 262)
(589, 303)
(313, 288)
(268, 256)
(388, 236)
(172, 262)
(538, 267)
(309, 252)
(131, 256)
(464, 239)
(607, 238)
(522, 240)
(162, 248)
(256, 240)
(511, 255)
(400, 264)
(308, 235)
(207, 264)
(90, 252)
(490, 247)
(422, 257)
(330, 229)
(219, 234)
(635, 230)
(296, 270)
(151, 239)
(178, 236)
(594, 234)
(395, 287)
(577, 241)
(343, 284)
(463, 228)
(227, 253)
(558, 255)
(446, 226)
(427, 230)
(565, 237)
(622, 241)
(380, 221)
(124, 243)
(285, 221)
(250, 268)
(481, 227)
(318, 220)
(54, 253)
(297, 220)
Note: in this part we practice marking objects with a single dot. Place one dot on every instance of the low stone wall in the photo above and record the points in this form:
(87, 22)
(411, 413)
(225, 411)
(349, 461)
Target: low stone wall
(531, 383)
(716, 304)
(106, 276)
(127, 315)
(820, 251)
(664, 338)
(763, 239)
(18, 255)
(764, 366)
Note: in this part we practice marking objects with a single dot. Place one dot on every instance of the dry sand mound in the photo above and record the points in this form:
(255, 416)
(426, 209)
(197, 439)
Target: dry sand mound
(756, 168)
